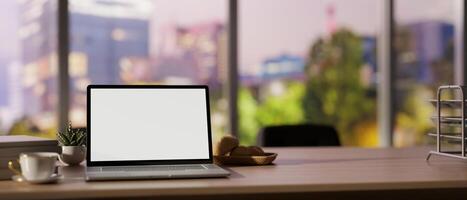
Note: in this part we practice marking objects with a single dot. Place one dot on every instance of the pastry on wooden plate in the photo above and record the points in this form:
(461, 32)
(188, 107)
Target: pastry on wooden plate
(256, 151)
(225, 145)
(247, 151)
(240, 151)
(241, 155)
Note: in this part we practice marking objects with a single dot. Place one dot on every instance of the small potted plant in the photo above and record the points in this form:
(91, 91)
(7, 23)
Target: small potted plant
(73, 141)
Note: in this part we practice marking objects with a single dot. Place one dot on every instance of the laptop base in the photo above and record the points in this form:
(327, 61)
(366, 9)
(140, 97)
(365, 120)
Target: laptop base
(155, 172)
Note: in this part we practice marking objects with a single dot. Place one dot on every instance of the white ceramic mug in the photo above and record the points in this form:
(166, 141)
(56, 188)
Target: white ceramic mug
(35, 165)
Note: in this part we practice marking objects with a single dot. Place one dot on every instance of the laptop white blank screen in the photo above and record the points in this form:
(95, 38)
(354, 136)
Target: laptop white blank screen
(148, 124)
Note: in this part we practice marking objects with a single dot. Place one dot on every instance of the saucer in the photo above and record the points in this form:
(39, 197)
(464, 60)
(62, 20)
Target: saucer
(52, 179)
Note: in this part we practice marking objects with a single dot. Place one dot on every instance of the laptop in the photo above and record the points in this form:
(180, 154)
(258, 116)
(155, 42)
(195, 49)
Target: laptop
(149, 132)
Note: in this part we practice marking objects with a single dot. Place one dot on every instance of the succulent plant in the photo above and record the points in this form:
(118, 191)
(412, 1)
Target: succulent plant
(72, 136)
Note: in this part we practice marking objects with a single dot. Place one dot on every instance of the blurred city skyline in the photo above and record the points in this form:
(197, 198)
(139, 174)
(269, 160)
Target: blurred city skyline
(258, 33)
(185, 42)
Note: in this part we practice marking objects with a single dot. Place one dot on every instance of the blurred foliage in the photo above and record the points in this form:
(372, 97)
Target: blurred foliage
(25, 126)
(335, 94)
(247, 116)
(366, 133)
(275, 109)
(413, 120)
(283, 109)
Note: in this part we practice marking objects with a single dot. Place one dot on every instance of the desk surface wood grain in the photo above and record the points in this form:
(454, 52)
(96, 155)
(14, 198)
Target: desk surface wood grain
(296, 170)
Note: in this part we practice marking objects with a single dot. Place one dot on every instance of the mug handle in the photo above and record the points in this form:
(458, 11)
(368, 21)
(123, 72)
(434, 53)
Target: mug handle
(11, 166)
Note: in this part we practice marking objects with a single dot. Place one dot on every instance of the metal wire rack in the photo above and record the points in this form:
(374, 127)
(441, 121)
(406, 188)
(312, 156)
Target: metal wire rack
(456, 121)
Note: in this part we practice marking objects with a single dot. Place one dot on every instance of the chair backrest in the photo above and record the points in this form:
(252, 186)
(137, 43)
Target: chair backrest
(299, 135)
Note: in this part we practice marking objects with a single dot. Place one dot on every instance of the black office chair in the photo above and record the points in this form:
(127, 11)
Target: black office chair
(298, 135)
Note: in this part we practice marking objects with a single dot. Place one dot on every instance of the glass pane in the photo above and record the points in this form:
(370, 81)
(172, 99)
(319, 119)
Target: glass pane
(424, 60)
(149, 42)
(28, 68)
(309, 62)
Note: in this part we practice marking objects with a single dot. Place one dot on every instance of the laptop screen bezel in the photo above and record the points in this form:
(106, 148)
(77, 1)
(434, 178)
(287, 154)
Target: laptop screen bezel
(90, 163)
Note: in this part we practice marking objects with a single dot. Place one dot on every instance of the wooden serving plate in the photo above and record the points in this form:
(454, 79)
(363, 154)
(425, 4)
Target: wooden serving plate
(246, 160)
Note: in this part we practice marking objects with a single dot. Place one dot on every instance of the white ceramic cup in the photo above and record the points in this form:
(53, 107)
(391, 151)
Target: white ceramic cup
(36, 165)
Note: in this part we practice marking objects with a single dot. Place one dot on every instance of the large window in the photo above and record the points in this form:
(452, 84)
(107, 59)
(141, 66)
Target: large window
(424, 36)
(149, 42)
(28, 69)
(309, 62)
(299, 61)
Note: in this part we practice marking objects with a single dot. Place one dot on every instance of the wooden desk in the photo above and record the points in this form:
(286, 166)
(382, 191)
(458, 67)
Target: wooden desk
(305, 173)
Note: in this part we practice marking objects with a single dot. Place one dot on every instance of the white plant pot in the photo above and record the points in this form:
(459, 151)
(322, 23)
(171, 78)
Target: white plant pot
(73, 155)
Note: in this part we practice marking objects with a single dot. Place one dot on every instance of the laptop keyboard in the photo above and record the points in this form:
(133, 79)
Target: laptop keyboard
(154, 168)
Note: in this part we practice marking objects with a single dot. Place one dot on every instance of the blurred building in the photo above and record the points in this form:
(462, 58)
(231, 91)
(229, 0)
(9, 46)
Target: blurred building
(37, 34)
(370, 60)
(283, 66)
(193, 54)
(100, 41)
(424, 53)
(419, 47)
(12, 110)
(109, 45)
(105, 36)
(3, 82)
